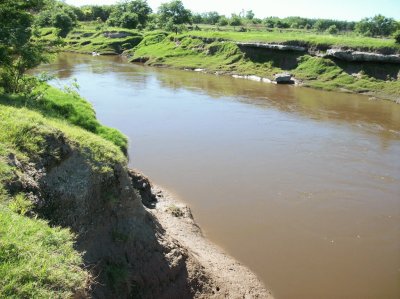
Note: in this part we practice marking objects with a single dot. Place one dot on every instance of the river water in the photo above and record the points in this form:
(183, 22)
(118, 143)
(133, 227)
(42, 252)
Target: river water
(302, 186)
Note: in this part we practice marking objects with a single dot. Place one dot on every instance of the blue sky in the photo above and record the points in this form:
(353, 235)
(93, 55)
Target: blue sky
(338, 9)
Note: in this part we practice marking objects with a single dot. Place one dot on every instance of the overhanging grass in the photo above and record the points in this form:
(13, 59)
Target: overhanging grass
(223, 56)
(28, 133)
(70, 107)
(293, 37)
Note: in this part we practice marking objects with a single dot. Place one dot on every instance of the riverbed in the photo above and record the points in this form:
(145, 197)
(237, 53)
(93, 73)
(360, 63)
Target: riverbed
(300, 185)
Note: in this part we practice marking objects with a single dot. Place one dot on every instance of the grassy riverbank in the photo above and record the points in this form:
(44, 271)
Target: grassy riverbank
(189, 51)
(38, 260)
(218, 52)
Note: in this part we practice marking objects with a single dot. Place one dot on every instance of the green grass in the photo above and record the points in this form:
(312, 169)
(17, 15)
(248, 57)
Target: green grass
(186, 51)
(302, 38)
(36, 260)
(27, 133)
(326, 74)
(70, 107)
(89, 40)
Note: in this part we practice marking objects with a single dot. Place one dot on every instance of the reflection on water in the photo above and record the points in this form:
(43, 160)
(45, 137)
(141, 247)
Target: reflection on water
(303, 186)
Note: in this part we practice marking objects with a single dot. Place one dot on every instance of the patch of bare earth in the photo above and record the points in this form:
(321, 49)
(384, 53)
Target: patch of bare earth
(229, 278)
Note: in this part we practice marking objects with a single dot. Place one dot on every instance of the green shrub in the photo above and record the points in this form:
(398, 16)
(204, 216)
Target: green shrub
(332, 30)
(397, 36)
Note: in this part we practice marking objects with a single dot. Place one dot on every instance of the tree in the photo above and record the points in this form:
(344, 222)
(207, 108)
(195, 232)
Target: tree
(130, 14)
(63, 22)
(19, 51)
(235, 20)
(250, 15)
(174, 12)
(397, 36)
(332, 30)
(141, 9)
(376, 26)
(59, 15)
(129, 20)
(211, 17)
(223, 21)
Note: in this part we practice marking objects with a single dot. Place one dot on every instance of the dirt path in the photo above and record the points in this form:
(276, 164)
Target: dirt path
(232, 280)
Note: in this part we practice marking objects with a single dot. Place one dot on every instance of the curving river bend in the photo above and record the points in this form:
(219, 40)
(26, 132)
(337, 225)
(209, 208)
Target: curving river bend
(302, 186)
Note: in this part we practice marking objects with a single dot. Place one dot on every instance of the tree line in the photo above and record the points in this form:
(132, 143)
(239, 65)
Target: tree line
(137, 14)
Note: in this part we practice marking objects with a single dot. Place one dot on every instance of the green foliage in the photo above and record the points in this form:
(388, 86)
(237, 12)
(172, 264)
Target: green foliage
(18, 50)
(66, 106)
(173, 13)
(20, 204)
(29, 133)
(223, 21)
(59, 15)
(396, 36)
(88, 39)
(376, 26)
(332, 30)
(188, 51)
(36, 260)
(63, 22)
(301, 38)
(94, 12)
(129, 20)
(130, 14)
(250, 15)
(235, 20)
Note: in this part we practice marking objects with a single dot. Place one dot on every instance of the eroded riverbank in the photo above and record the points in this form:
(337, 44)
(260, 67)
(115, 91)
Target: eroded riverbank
(274, 174)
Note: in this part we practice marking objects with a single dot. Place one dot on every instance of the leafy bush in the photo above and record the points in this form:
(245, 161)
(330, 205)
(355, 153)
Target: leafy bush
(332, 30)
(397, 36)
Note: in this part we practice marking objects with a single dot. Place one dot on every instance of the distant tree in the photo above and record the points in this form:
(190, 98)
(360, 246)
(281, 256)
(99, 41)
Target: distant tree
(211, 17)
(281, 24)
(319, 25)
(174, 13)
(396, 36)
(130, 14)
(332, 30)
(376, 26)
(250, 15)
(19, 51)
(223, 21)
(198, 18)
(141, 9)
(57, 14)
(269, 23)
(235, 20)
(129, 20)
(63, 22)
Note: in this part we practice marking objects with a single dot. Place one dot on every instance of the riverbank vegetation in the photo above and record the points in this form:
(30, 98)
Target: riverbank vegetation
(38, 259)
(173, 36)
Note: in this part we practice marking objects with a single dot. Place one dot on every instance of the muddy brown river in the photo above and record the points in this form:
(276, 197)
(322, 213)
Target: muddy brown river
(300, 185)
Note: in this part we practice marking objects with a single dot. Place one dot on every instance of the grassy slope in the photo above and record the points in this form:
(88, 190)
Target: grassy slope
(88, 39)
(36, 260)
(187, 51)
(302, 37)
(72, 108)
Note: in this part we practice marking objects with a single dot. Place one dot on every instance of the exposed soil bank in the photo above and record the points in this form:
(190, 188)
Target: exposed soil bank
(231, 279)
(130, 252)
(327, 67)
